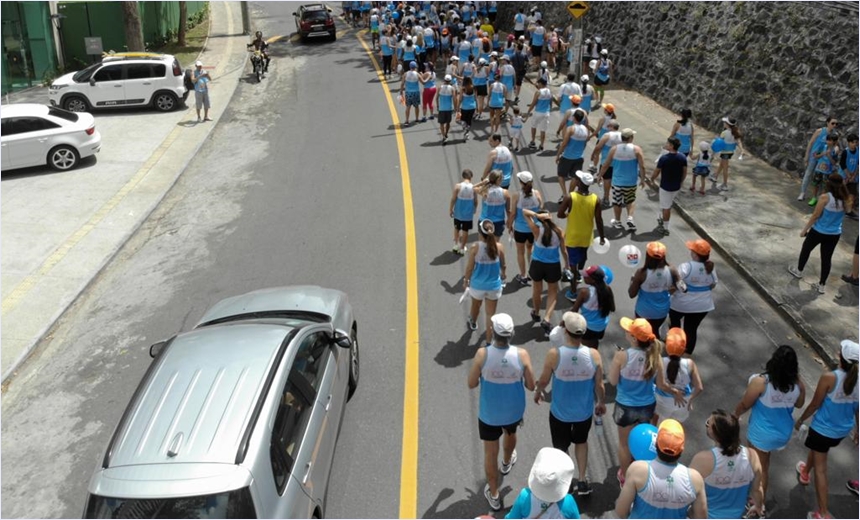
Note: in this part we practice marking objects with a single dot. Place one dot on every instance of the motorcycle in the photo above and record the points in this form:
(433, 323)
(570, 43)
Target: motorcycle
(257, 64)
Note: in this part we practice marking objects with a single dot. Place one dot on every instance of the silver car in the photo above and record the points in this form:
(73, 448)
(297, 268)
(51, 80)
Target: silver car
(237, 418)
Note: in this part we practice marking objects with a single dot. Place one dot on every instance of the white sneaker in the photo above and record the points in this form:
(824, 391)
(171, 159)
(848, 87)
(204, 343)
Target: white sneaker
(795, 272)
(615, 223)
(818, 287)
(723, 187)
(495, 502)
(506, 468)
(801, 197)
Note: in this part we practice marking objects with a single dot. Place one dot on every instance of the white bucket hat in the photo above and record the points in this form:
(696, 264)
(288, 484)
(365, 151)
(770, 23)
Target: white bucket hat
(551, 475)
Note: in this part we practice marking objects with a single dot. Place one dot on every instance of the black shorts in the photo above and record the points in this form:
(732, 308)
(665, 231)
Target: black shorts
(517, 34)
(608, 174)
(633, 415)
(522, 238)
(820, 443)
(445, 117)
(726, 155)
(544, 272)
(537, 50)
(567, 167)
(566, 433)
(599, 82)
(462, 225)
(593, 334)
(499, 228)
(492, 433)
(481, 90)
(520, 78)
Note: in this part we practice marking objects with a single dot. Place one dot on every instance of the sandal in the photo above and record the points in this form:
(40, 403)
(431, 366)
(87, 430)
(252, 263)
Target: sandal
(701, 192)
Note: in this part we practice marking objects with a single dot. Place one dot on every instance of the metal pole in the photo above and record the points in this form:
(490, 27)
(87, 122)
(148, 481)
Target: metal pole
(246, 19)
(576, 41)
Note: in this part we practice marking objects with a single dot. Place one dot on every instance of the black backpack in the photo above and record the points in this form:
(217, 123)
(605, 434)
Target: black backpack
(189, 84)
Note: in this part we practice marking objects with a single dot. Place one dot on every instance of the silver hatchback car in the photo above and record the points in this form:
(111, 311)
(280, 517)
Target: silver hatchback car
(237, 418)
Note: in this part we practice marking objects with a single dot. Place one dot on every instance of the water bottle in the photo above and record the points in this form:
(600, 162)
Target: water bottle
(802, 432)
(567, 274)
(598, 424)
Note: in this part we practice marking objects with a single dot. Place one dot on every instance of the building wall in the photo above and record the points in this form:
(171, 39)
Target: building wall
(28, 58)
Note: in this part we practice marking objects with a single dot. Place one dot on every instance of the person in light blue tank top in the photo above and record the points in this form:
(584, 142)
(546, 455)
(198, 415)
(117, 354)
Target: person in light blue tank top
(684, 132)
(732, 472)
(575, 373)
(834, 406)
(485, 271)
(546, 257)
(823, 228)
(596, 301)
(527, 198)
(464, 202)
(772, 395)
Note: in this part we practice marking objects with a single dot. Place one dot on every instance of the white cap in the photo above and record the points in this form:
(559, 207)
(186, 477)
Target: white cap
(494, 54)
(551, 475)
(628, 132)
(585, 177)
(198, 63)
(574, 322)
(584, 77)
(850, 350)
(447, 77)
(455, 58)
(543, 64)
(704, 146)
(604, 51)
(729, 121)
(597, 39)
(482, 61)
(525, 176)
(503, 325)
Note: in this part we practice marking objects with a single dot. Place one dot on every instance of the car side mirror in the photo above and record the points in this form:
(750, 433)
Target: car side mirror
(328, 9)
(156, 348)
(92, 82)
(294, 14)
(342, 339)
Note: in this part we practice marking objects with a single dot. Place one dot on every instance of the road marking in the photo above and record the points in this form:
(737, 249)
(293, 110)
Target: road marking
(409, 456)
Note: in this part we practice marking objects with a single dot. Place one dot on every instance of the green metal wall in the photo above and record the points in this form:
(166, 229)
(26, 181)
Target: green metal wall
(28, 44)
(160, 19)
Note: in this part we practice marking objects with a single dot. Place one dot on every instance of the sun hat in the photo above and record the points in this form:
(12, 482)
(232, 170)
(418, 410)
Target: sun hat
(676, 341)
(638, 328)
(609, 107)
(656, 250)
(628, 133)
(525, 176)
(595, 271)
(575, 323)
(700, 247)
(585, 177)
(551, 475)
(503, 324)
(670, 437)
(850, 350)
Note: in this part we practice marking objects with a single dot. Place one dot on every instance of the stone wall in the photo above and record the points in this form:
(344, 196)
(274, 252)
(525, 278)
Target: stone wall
(779, 68)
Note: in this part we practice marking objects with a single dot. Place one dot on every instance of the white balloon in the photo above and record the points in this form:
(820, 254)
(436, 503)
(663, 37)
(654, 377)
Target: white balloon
(630, 256)
(600, 249)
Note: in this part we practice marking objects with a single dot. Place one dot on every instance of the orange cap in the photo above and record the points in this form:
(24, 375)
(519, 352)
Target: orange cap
(700, 247)
(656, 250)
(676, 341)
(638, 328)
(609, 107)
(576, 99)
(670, 437)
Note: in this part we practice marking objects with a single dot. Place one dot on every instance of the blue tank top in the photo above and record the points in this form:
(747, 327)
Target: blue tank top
(493, 205)
(682, 378)
(653, 300)
(468, 102)
(504, 161)
(850, 163)
(503, 396)
(614, 139)
(587, 93)
(728, 485)
(544, 102)
(386, 48)
(633, 388)
(431, 81)
(590, 310)
(830, 221)
(509, 51)
(480, 78)
(412, 84)
(667, 494)
(524, 202)
(820, 141)
(602, 69)
(537, 38)
(684, 135)
(463, 52)
(771, 421)
(573, 384)
(509, 76)
(625, 166)
(446, 98)
(576, 144)
(497, 95)
(486, 276)
(547, 255)
(835, 418)
(464, 206)
(408, 54)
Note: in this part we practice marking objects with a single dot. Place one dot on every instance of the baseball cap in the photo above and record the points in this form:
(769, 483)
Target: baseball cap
(584, 77)
(609, 107)
(628, 132)
(447, 77)
(576, 99)
(700, 247)
(676, 341)
(506, 57)
(704, 146)
(511, 37)
(551, 475)
(588, 40)
(413, 65)
(487, 227)
(670, 437)
(850, 350)
(638, 328)
(455, 58)
(198, 63)
(522, 38)
(595, 271)
(728, 120)
(575, 323)
(494, 54)
(543, 65)
(445, 31)
(503, 324)
(585, 177)
(604, 52)
(482, 61)
(525, 176)
(656, 250)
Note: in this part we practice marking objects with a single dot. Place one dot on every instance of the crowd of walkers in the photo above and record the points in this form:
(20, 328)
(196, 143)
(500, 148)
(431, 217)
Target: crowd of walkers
(655, 375)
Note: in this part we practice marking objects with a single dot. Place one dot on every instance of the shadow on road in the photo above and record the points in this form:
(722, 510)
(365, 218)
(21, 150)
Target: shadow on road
(454, 353)
(473, 505)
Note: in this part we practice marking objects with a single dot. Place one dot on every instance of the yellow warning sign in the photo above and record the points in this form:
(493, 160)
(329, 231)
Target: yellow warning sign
(577, 9)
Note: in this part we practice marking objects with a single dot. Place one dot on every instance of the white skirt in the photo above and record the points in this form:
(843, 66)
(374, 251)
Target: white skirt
(667, 409)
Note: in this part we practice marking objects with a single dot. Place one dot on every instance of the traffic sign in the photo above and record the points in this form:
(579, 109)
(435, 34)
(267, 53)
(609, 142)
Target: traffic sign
(577, 9)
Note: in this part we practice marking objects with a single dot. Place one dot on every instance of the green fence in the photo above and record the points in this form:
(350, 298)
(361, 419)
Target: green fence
(28, 44)
(160, 20)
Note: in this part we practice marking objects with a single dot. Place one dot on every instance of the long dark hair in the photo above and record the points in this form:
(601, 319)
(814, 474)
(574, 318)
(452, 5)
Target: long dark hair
(605, 296)
(549, 227)
(672, 368)
(782, 369)
(705, 259)
(652, 262)
(726, 431)
(528, 188)
(850, 368)
(686, 114)
(468, 88)
(490, 240)
(837, 188)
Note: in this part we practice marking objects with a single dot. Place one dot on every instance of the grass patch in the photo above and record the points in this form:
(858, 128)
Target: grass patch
(194, 40)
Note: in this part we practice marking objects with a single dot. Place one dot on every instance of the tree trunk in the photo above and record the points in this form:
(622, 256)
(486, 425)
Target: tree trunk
(132, 26)
(183, 22)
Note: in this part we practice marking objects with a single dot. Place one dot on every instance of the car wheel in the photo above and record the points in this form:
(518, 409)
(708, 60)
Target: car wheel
(63, 158)
(334, 37)
(76, 104)
(165, 101)
(353, 364)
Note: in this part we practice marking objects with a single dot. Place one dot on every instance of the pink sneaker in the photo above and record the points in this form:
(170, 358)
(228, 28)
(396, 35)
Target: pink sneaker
(817, 514)
(803, 476)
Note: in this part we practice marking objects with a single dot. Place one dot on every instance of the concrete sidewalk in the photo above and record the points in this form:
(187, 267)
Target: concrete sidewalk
(756, 225)
(60, 229)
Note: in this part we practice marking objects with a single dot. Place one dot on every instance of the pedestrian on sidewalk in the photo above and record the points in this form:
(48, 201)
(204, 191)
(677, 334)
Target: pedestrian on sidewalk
(816, 143)
(684, 132)
(772, 395)
(733, 138)
(672, 170)
(848, 164)
(546, 257)
(834, 407)
(680, 373)
(582, 212)
(652, 285)
(485, 271)
(500, 158)
(501, 370)
(732, 472)
(411, 85)
(201, 79)
(547, 493)
(602, 72)
(596, 301)
(446, 103)
(528, 198)
(828, 162)
(464, 203)
(428, 81)
(570, 154)
(689, 307)
(628, 167)
(598, 158)
(540, 107)
(587, 93)
(852, 278)
(823, 228)
(575, 373)
(567, 89)
(702, 169)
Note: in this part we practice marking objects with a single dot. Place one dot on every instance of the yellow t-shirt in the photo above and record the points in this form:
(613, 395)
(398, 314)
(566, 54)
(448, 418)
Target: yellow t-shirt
(488, 30)
(580, 220)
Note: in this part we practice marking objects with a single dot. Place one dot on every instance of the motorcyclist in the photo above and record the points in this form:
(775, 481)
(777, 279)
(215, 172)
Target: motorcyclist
(259, 44)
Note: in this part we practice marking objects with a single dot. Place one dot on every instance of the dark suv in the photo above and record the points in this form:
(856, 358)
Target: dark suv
(315, 20)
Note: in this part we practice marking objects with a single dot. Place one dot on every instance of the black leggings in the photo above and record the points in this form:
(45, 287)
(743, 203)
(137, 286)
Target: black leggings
(692, 320)
(828, 246)
(386, 64)
(655, 324)
(466, 116)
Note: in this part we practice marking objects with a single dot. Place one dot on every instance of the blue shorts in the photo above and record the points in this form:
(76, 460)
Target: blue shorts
(577, 256)
(701, 170)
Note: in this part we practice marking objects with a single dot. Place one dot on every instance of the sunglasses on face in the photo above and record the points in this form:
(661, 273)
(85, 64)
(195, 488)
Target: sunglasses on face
(834, 123)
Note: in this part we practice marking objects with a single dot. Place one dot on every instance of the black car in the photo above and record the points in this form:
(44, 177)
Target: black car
(315, 20)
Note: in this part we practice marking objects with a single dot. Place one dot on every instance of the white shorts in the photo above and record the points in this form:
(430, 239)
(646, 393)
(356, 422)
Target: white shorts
(516, 133)
(510, 95)
(540, 121)
(667, 198)
(666, 409)
(478, 294)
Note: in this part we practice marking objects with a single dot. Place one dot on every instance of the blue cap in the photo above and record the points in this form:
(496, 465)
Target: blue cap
(413, 65)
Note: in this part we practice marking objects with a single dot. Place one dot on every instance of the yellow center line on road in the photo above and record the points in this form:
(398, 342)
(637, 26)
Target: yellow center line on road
(409, 456)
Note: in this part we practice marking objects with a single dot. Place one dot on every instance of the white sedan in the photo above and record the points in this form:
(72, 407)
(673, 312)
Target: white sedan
(33, 135)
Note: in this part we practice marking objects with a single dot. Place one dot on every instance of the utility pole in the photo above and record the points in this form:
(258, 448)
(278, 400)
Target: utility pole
(246, 19)
(577, 9)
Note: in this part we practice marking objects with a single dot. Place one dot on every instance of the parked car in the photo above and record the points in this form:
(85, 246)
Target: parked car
(33, 135)
(237, 418)
(315, 20)
(122, 80)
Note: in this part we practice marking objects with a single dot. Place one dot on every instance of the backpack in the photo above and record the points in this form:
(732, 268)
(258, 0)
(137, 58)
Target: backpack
(189, 84)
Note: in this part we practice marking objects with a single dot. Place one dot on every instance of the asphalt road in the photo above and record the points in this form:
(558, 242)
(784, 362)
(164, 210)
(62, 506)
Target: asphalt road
(301, 184)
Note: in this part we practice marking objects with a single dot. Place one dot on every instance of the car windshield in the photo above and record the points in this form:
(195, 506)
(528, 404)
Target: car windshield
(84, 75)
(63, 114)
(232, 504)
(315, 16)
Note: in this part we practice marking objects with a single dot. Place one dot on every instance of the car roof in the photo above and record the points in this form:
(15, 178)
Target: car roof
(313, 7)
(24, 109)
(197, 403)
(136, 56)
(301, 298)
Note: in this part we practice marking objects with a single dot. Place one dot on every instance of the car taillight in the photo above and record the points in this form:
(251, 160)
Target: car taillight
(91, 130)
(329, 21)
(306, 26)
(177, 71)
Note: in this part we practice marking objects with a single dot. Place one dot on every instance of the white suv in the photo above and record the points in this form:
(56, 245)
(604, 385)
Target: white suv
(122, 80)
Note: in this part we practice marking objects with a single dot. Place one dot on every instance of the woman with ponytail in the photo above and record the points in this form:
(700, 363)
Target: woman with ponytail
(595, 301)
(546, 257)
(834, 406)
(485, 271)
(680, 373)
(684, 132)
(691, 305)
(732, 137)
